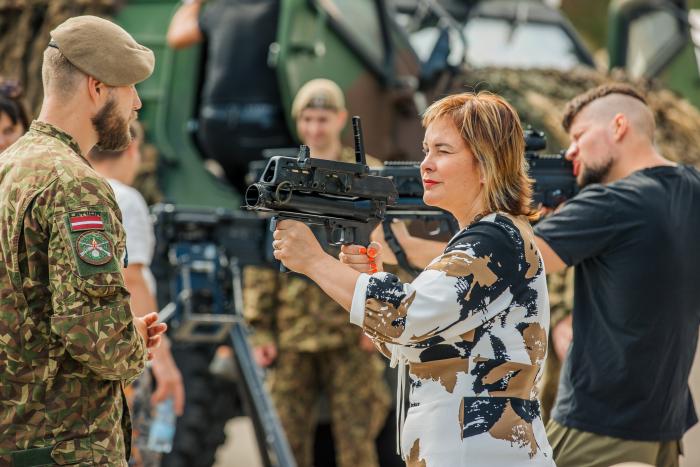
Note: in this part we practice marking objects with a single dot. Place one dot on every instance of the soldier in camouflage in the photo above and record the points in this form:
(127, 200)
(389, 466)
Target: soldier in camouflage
(69, 343)
(303, 336)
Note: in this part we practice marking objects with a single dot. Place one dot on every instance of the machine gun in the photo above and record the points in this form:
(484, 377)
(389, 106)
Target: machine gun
(342, 197)
(410, 206)
(199, 258)
(553, 174)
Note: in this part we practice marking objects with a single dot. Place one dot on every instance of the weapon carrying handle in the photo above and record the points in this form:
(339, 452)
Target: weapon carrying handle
(359, 143)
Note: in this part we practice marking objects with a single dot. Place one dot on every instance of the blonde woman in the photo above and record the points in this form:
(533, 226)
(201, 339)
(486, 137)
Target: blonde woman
(473, 325)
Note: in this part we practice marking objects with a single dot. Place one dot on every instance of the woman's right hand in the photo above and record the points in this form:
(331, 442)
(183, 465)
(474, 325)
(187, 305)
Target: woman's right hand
(361, 259)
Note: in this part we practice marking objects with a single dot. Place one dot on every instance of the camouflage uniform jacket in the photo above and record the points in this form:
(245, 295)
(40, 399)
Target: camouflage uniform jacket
(292, 311)
(68, 344)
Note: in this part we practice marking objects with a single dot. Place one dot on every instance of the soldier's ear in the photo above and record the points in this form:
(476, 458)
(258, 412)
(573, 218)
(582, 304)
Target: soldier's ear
(97, 90)
(342, 117)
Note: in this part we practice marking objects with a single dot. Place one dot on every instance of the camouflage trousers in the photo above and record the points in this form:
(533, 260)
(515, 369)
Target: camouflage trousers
(138, 398)
(358, 398)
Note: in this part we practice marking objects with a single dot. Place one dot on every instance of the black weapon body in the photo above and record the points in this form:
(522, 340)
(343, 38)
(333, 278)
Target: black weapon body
(552, 173)
(343, 197)
(439, 224)
(554, 178)
(200, 253)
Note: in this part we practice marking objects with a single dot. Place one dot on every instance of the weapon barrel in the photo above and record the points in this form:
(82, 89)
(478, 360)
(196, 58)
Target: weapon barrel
(284, 199)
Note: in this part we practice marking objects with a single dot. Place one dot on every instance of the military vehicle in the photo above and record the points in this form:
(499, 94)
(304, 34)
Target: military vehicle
(657, 40)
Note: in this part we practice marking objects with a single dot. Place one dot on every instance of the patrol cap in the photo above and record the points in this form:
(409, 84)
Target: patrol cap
(318, 94)
(103, 50)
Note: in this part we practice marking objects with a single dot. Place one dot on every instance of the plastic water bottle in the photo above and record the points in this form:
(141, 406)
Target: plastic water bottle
(162, 432)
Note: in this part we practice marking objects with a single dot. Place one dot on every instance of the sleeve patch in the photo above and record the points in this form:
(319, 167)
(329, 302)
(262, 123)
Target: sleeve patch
(90, 237)
(86, 220)
(94, 248)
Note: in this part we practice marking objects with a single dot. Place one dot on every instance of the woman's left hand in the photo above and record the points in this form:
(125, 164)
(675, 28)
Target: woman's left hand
(362, 259)
(296, 246)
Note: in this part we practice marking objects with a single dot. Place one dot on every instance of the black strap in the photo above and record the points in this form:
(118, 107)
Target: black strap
(398, 250)
(32, 457)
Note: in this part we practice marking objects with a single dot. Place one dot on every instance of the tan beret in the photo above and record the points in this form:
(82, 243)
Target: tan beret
(103, 50)
(318, 94)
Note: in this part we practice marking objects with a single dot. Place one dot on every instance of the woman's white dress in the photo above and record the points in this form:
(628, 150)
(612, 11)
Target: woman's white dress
(472, 328)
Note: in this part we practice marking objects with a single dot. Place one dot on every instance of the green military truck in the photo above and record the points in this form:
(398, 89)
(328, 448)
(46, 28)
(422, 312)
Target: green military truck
(389, 58)
(657, 40)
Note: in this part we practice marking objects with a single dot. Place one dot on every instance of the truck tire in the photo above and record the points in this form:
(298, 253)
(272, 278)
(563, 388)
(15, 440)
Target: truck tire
(210, 402)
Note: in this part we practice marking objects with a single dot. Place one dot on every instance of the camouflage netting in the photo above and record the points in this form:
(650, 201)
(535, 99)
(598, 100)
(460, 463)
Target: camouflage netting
(540, 96)
(24, 34)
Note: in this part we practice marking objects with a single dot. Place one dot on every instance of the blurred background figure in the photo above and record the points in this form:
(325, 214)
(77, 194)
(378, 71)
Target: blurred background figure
(240, 104)
(14, 119)
(120, 169)
(304, 337)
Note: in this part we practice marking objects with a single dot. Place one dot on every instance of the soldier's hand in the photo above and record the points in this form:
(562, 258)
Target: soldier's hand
(361, 259)
(150, 330)
(562, 336)
(168, 378)
(265, 355)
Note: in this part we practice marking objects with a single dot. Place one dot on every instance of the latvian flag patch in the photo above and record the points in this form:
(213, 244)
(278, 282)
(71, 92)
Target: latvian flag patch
(86, 221)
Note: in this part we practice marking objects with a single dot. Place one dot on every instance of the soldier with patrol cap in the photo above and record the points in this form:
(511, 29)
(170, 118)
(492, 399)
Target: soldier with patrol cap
(303, 336)
(68, 340)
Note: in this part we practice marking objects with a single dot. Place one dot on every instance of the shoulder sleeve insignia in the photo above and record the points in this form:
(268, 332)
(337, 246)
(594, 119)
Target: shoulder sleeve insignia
(90, 234)
(94, 248)
(86, 221)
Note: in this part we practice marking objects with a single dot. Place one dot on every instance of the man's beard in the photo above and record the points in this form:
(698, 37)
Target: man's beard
(592, 175)
(112, 129)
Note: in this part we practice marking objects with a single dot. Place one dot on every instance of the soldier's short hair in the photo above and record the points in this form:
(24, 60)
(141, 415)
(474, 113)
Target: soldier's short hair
(101, 155)
(578, 103)
(491, 130)
(318, 94)
(59, 75)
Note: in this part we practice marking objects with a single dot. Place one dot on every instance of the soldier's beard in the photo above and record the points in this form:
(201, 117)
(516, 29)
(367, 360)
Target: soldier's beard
(597, 174)
(112, 129)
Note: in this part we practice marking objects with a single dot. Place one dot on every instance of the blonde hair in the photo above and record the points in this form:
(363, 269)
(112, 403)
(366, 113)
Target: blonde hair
(318, 94)
(491, 130)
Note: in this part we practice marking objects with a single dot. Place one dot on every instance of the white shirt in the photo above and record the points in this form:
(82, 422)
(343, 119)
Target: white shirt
(140, 240)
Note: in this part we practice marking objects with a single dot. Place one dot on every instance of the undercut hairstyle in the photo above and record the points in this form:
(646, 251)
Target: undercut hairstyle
(98, 155)
(491, 130)
(59, 76)
(578, 103)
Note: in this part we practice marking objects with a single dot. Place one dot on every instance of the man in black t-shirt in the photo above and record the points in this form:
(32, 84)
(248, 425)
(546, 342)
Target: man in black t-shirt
(632, 234)
(240, 111)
